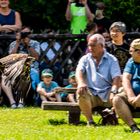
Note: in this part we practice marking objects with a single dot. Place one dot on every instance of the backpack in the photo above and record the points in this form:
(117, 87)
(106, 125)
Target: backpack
(108, 117)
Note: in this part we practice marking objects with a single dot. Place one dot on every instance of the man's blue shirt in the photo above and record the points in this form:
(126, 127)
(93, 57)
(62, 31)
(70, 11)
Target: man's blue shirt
(134, 69)
(99, 78)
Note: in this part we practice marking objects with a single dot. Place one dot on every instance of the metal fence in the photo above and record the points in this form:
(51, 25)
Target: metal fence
(60, 52)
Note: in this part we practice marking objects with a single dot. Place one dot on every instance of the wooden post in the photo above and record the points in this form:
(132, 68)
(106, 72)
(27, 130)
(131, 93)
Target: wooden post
(74, 117)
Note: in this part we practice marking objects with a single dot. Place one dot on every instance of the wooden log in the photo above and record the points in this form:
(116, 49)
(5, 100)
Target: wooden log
(65, 90)
(64, 106)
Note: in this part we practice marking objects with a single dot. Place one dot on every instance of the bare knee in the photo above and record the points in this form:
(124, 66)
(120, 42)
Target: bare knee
(117, 101)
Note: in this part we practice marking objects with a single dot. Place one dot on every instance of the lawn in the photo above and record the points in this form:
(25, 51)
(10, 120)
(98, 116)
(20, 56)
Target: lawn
(34, 123)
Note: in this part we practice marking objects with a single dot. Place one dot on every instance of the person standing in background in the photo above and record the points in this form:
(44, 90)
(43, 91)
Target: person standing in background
(79, 14)
(102, 22)
(10, 20)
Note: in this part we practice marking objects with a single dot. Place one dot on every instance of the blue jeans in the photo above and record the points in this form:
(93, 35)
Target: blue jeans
(35, 79)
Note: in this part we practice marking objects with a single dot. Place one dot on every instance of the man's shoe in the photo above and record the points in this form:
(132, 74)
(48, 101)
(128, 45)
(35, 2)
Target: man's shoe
(20, 105)
(13, 106)
(135, 129)
(92, 123)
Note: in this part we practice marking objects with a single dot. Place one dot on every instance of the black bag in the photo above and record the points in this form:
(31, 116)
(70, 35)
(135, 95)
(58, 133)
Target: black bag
(108, 117)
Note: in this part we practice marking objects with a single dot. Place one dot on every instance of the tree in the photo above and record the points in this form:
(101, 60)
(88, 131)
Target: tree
(43, 14)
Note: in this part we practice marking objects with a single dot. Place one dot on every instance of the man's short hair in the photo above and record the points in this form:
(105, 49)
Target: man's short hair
(97, 39)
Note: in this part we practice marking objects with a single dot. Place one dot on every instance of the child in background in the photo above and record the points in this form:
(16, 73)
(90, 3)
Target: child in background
(72, 84)
(46, 86)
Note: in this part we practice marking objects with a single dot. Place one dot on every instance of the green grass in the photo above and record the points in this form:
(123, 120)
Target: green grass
(37, 124)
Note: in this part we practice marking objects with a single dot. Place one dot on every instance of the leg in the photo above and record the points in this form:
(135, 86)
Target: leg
(70, 98)
(58, 97)
(35, 79)
(43, 98)
(137, 101)
(123, 110)
(34, 74)
(86, 106)
(8, 90)
(87, 101)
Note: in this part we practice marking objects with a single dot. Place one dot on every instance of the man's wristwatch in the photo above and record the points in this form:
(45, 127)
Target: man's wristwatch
(114, 91)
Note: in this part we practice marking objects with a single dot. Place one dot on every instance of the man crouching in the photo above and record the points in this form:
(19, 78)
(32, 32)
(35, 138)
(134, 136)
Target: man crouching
(98, 77)
(130, 98)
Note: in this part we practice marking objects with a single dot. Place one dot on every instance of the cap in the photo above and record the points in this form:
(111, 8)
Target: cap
(120, 25)
(72, 74)
(135, 44)
(47, 72)
(97, 39)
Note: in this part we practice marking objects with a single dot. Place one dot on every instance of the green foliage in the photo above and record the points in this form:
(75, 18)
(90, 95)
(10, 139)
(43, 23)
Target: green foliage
(43, 14)
(126, 11)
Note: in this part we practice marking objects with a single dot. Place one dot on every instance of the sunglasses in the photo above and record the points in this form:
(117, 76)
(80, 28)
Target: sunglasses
(136, 50)
(92, 45)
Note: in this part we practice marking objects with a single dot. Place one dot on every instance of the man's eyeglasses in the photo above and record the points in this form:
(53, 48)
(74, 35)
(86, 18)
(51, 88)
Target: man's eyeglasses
(136, 50)
(92, 45)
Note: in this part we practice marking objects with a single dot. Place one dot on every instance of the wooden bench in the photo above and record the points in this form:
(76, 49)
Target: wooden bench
(72, 108)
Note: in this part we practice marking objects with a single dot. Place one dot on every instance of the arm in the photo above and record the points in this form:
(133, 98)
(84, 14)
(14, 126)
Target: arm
(17, 26)
(68, 11)
(82, 86)
(116, 83)
(89, 14)
(42, 91)
(14, 49)
(114, 89)
(32, 51)
(127, 87)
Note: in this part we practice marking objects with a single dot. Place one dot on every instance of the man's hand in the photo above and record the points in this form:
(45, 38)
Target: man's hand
(70, 1)
(18, 37)
(84, 2)
(57, 90)
(26, 41)
(82, 89)
(131, 100)
(136, 101)
(111, 97)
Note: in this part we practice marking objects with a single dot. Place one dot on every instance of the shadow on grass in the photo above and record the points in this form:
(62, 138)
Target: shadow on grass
(57, 122)
(127, 130)
(63, 121)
